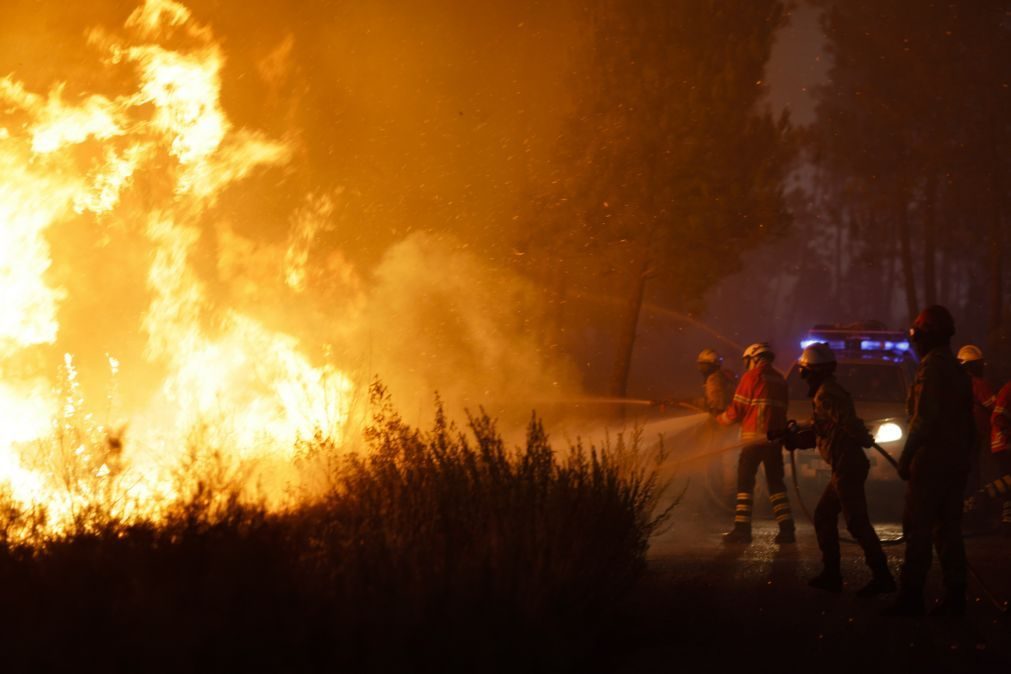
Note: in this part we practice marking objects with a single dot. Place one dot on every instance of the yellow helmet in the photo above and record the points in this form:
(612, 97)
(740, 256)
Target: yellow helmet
(709, 356)
(969, 353)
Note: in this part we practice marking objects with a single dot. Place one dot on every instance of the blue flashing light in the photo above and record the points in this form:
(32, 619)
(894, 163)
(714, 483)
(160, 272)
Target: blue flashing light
(883, 345)
(808, 342)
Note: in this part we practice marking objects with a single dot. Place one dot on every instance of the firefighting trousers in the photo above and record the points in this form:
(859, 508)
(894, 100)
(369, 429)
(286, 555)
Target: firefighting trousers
(845, 494)
(933, 518)
(771, 456)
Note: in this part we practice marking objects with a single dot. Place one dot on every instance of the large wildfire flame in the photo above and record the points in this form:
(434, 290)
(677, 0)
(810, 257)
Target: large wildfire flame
(170, 143)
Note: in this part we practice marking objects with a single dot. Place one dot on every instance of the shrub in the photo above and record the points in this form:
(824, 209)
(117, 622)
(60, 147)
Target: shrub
(440, 549)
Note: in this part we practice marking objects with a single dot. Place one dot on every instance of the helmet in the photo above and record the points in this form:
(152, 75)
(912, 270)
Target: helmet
(817, 355)
(708, 356)
(758, 349)
(935, 320)
(969, 353)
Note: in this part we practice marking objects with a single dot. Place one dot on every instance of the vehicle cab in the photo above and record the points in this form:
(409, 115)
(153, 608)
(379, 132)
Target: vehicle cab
(877, 367)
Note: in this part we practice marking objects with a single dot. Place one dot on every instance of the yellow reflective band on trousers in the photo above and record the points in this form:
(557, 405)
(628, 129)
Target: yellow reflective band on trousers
(743, 509)
(781, 507)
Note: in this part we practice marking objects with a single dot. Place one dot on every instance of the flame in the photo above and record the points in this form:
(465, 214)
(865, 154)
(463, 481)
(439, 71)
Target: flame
(66, 157)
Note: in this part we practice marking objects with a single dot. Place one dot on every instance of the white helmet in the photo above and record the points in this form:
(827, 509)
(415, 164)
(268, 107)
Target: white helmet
(969, 353)
(709, 356)
(817, 354)
(758, 349)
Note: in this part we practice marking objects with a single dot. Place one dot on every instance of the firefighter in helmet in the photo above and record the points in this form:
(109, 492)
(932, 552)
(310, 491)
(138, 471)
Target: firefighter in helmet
(999, 486)
(935, 463)
(718, 383)
(981, 466)
(759, 405)
(840, 437)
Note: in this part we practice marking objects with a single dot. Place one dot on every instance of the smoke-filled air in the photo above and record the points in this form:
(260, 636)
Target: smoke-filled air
(175, 274)
(505, 335)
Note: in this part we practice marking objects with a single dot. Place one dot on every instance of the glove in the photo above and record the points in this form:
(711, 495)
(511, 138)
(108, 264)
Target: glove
(866, 440)
(782, 434)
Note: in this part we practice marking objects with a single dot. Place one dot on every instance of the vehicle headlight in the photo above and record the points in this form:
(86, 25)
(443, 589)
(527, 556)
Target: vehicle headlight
(888, 432)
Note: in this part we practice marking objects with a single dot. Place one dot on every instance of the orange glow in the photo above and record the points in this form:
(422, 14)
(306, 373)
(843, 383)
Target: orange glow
(64, 158)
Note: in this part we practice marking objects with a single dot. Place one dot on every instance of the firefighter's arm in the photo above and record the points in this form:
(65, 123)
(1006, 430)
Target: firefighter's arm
(715, 400)
(923, 420)
(794, 435)
(738, 406)
(1000, 423)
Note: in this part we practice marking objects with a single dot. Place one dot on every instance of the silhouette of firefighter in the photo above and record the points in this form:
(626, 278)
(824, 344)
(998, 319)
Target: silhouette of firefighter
(718, 383)
(935, 462)
(840, 437)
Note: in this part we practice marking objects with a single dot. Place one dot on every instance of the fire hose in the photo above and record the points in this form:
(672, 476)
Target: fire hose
(1001, 605)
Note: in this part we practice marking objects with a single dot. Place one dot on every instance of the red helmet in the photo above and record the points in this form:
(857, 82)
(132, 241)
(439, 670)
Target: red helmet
(935, 320)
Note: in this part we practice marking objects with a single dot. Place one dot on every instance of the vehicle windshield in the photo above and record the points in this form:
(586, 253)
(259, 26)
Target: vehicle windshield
(866, 382)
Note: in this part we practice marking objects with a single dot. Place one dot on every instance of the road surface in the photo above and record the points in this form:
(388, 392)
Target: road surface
(706, 607)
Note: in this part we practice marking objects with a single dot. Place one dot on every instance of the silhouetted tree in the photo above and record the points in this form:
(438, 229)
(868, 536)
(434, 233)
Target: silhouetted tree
(914, 135)
(671, 167)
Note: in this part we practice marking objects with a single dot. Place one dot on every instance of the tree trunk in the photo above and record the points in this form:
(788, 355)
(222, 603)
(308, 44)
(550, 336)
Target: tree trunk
(930, 240)
(888, 290)
(912, 303)
(628, 327)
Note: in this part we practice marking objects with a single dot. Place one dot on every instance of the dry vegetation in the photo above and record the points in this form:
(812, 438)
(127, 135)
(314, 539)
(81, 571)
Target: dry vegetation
(438, 549)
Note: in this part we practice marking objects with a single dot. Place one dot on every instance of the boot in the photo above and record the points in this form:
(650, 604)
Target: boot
(829, 580)
(787, 534)
(882, 583)
(740, 534)
(907, 605)
(951, 606)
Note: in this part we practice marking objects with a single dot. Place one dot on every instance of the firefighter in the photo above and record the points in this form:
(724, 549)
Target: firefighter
(981, 467)
(840, 437)
(935, 462)
(1000, 448)
(759, 405)
(718, 383)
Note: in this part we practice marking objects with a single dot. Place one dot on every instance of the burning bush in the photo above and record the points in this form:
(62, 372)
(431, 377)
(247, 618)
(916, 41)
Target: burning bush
(439, 548)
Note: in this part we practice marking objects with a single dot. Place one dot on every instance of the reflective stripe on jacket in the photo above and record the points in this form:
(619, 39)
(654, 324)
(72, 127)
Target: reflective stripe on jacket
(759, 403)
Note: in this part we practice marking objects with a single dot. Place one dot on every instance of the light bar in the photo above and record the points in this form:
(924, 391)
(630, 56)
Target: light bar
(883, 345)
(835, 345)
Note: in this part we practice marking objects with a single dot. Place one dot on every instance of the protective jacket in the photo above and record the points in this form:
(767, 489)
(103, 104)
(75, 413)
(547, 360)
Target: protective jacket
(1000, 422)
(942, 431)
(840, 434)
(983, 401)
(759, 403)
(717, 391)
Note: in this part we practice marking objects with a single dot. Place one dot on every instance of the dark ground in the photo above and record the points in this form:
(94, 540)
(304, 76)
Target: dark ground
(714, 609)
